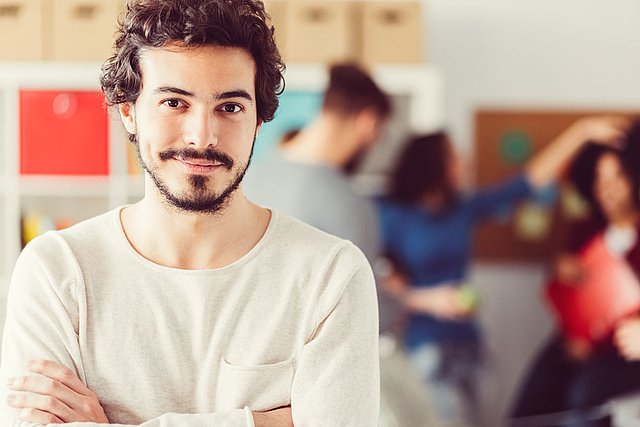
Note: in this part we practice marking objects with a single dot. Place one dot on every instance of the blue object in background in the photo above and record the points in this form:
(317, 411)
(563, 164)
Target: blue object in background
(547, 196)
(297, 108)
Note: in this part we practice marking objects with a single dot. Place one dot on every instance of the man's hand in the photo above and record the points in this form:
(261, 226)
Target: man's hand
(277, 418)
(55, 396)
(627, 338)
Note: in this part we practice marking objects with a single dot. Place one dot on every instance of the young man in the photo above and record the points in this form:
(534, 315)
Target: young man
(192, 307)
(309, 171)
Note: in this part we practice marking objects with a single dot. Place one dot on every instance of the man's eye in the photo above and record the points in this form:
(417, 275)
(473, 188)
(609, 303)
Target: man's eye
(172, 103)
(231, 108)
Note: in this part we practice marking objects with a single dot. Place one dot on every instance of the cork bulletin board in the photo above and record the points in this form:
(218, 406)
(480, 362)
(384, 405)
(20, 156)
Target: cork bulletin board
(505, 140)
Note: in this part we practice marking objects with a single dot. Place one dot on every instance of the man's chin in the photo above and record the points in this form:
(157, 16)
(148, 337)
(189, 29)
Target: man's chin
(195, 193)
(191, 205)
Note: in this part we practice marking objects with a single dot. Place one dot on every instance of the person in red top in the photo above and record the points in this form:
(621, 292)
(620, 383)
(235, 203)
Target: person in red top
(570, 380)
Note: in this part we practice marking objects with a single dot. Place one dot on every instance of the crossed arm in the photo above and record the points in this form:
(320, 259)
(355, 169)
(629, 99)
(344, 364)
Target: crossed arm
(337, 366)
(58, 396)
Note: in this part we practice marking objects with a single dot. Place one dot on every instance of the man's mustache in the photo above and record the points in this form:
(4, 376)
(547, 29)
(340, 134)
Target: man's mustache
(209, 154)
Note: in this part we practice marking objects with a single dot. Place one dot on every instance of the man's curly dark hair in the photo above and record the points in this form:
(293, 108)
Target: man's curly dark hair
(229, 23)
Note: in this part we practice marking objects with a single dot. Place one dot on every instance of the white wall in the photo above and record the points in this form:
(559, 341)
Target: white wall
(562, 53)
(527, 53)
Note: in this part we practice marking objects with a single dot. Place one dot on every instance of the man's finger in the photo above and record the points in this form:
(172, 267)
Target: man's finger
(48, 404)
(39, 417)
(43, 386)
(60, 373)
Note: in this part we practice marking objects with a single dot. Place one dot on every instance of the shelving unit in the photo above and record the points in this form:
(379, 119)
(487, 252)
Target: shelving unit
(80, 197)
(73, 197)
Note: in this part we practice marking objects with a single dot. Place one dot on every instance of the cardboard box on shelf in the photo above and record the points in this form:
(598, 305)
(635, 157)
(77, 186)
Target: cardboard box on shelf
(392, 32)
(21, 36)
(277, 11)
(63, 133)
(320, 32)
(83, 29)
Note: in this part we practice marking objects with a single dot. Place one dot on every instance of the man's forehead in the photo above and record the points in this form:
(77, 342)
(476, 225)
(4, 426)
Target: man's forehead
(214, 69)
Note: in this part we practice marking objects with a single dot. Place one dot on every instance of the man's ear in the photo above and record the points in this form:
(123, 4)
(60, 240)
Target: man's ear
(128, 116)
(366, 121)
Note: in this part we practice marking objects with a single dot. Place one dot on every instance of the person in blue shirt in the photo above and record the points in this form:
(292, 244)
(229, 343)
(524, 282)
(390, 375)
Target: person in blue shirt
(427, 225)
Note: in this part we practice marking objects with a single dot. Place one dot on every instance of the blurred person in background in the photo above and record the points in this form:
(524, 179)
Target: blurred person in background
(306, 175)
(288, 136)
(427, 225)
(571, 374)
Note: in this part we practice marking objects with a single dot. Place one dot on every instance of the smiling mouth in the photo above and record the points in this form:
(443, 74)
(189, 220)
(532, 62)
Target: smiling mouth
(199, 165)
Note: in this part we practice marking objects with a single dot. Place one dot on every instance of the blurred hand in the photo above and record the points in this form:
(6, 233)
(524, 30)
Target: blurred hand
(569, 270)
(443, 302)
(627, 338)
(276, 418)
(578, 349)
(606, 130)
(395, 283)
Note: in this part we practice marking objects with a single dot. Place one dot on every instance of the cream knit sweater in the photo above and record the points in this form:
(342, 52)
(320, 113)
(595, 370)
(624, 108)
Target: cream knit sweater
(294, 321)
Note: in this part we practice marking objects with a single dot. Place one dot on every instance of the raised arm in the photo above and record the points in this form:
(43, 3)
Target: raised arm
(549, 163)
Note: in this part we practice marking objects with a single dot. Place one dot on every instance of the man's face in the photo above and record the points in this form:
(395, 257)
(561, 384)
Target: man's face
(195, 122)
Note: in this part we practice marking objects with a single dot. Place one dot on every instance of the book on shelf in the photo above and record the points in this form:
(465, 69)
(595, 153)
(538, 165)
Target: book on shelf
(35, 223)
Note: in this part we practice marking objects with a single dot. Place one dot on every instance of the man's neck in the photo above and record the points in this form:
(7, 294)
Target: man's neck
(194, 241)
(323, 141)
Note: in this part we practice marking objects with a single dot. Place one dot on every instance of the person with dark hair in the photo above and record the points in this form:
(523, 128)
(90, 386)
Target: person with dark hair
(571, 377)
(193, 306)
(310, 170)
(427, 226)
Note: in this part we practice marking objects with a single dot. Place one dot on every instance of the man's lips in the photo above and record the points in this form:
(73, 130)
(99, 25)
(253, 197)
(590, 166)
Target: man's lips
(199, 164)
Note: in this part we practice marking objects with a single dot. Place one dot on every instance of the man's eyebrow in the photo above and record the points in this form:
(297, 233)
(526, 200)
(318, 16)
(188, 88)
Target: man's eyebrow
(241, 93)
(171, 89)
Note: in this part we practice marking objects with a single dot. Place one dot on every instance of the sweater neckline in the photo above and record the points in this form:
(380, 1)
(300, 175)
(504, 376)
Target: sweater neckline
(244, 259)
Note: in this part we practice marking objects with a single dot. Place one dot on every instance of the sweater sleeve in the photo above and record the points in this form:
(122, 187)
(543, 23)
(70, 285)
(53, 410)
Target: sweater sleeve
(337, 381)
(42, 323)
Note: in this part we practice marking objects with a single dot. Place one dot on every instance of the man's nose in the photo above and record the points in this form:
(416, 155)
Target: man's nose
(201, 129)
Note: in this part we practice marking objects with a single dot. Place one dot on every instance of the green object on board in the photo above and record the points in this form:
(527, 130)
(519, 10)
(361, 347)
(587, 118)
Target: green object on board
(515, 147)
(468, 297)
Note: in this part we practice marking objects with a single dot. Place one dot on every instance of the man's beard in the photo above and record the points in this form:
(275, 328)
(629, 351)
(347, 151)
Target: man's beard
(196, 199)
